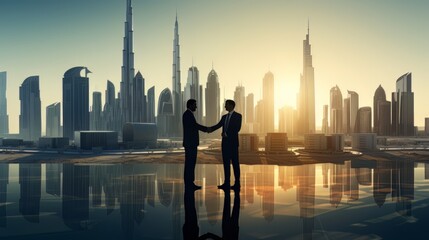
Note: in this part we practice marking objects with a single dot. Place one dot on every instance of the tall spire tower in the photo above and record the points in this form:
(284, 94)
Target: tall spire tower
(306, 95)
(177, 88)
(127, 67)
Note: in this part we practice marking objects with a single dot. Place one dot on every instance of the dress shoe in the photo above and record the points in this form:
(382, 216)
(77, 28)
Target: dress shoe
(236, 187)
(193, 187)
(224, 186)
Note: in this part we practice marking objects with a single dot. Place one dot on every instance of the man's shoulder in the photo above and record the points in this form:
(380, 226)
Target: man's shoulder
(238, 114)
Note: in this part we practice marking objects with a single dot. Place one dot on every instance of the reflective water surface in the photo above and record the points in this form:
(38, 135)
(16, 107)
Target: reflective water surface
(353, 200)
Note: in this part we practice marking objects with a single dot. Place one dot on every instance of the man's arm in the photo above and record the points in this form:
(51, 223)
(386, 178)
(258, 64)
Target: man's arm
(218, 125)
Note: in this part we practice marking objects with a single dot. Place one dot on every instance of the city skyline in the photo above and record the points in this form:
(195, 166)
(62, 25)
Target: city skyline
(348, 47)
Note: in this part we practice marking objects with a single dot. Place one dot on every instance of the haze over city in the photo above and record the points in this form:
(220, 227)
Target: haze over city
(356, 45)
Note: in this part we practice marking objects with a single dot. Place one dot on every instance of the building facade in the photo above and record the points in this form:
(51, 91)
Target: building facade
(336, 118)
(306, 100)
(75, 101)
(4, 117)
(382, 113)
(53, 120)
(212, 96)
(363, 120)
(30, 119)
(268, 97)
(403, 107)
(193, 90)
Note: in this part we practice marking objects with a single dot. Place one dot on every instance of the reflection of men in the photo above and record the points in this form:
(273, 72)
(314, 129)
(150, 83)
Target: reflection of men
(190, 227)
(231, 125)
(230, 228)
(191, 140)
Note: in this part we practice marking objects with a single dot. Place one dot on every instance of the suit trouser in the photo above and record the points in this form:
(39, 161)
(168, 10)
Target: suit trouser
(190, 162)
(230, 155)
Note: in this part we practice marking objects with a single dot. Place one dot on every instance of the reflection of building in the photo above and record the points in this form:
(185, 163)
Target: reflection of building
(30, 119)
(211, 194)
(336, 189)
(382, 184)
(30, 187)
(4, 181)
(403, 107)
(403, 186)
(53, 178)
(265, 188)
(75, 204)
(306, 190)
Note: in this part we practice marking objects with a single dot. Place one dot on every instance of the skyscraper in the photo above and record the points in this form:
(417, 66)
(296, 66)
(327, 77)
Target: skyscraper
(268, 97)
(250, 108)
(403, 107)
(53, 120)
(30, 119)
(95, 123)
(193, 90)
(382, 113)
(110, 119)
(165, 113)
(288, 121)
(306, 90)
(212, 99)
(139, 99)
(4, 118)
(75, 101)
(240, 100)
(325, 126)
(336, 110)
(350, 109)
(177, 88)
(363, 120)
(151, 105)
(127, 68)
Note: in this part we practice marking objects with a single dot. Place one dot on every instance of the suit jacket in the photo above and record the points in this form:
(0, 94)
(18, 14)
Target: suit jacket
(191, 137)
(234, 127)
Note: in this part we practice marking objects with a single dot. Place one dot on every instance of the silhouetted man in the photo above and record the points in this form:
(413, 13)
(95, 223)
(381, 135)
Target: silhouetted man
(231, 125)
(191, 140)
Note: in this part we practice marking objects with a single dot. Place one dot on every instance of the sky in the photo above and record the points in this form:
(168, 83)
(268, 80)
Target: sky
(356, 45)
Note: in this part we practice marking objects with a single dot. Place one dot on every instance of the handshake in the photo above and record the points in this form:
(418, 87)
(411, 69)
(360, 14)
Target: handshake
(209, 130)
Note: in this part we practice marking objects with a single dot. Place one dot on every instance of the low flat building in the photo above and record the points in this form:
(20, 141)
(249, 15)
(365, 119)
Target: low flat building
(53, 142)
(140, 135)
(315, 142)
(364, 141)
(11, 142)
(88, 140)
(248, 142)
(276, 142)
(335, 142)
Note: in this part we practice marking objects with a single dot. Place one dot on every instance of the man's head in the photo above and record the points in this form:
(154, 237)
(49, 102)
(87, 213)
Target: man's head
(191, 104)
(229, 105)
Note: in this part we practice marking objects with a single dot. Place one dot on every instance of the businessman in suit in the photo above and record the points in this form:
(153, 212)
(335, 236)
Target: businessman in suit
(191, 140)
(231, 125)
